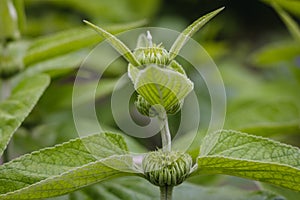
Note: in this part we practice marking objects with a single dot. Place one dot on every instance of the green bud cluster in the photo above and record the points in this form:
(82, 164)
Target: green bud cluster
(167, 168)
(152, 55)
(147, 109)
(9, 66)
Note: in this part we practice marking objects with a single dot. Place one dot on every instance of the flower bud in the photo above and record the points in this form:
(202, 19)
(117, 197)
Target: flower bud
(147, 109)
(167, 168)
(152, 55)
(158, 80)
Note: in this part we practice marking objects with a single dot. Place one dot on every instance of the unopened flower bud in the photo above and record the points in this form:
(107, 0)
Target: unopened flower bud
(167, 168)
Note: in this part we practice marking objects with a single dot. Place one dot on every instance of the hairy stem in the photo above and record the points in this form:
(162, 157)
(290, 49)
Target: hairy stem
(165, 135)
(166, 192)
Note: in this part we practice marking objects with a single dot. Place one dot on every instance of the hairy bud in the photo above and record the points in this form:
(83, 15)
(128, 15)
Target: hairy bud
(167, 168)
(147, 109)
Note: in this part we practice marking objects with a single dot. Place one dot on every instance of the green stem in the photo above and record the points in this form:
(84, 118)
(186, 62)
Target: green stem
(166, 192)
(165, 135)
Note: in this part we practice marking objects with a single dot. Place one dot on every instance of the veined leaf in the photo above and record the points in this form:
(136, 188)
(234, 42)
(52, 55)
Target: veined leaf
(162, 86)
(190, 31)
(65, 168)
(15, 108)
(239, 154)
(68, 41)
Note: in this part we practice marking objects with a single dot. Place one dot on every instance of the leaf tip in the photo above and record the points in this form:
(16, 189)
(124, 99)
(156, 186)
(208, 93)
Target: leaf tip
(219, 10)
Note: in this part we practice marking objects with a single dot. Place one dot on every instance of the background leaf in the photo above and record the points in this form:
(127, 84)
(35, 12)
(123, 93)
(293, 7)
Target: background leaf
(275, 54)
(292, 6)
(289, 22)
(67, 41)
(15, 108)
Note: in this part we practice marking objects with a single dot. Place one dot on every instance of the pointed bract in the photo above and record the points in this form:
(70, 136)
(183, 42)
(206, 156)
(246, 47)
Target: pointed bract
(116, 43)
(190, 31)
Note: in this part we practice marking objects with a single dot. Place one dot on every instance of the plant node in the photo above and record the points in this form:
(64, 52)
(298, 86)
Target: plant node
(167, 168)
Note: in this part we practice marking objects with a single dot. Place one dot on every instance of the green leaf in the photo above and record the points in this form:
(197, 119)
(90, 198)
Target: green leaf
(20, 9)
(116, 43)
(276, 53)
(162, 86)
(8, 21)
(190, 31)
(104, 10)
(238, 154)
(289, 22)
(293, 6)
(65, 167)
(265, 117)
(15, 108)
(53, 66)
(67, 41)
(60, 96)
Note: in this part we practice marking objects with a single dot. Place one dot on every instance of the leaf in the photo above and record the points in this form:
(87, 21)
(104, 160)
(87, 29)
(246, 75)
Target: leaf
(65, 167)
(162, 86)
(67, 41)
(8, 21)
(116, 43)
(289, 22)
(265, 117)
(56, 65)
(59, 96)
(238, 154)
(20, 10)
(138, 188)
(190, 31)
(105, 10)
(293, 6)
(15, 108)
(276, 53)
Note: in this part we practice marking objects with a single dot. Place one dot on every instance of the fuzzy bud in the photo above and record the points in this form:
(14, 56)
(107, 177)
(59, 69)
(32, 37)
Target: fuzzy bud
(167, 168)
(147, 109)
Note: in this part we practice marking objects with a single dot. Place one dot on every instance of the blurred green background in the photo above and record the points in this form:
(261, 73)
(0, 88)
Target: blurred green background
(253, 47)
(255, 44)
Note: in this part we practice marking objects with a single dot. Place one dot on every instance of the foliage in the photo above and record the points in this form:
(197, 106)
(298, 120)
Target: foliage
(43, 157)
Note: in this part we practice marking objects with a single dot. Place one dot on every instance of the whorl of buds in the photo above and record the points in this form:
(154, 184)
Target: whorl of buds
(147, 109)
(9, 67)
(158, 80)
(167, 168)
(152, 55)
